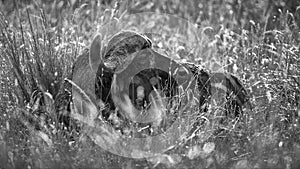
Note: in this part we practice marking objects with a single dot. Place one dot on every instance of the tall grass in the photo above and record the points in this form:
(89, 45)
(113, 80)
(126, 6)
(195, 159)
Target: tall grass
(39, 42)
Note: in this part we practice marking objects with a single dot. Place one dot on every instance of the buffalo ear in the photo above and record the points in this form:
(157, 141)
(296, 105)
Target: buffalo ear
(95, 57)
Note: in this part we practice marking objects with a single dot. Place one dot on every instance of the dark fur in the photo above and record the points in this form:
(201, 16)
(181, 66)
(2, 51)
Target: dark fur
(128, 42)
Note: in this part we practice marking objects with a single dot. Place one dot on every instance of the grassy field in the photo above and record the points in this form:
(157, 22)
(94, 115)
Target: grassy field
(256, 41)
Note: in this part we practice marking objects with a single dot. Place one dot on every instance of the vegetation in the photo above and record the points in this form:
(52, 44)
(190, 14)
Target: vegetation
(258, 41)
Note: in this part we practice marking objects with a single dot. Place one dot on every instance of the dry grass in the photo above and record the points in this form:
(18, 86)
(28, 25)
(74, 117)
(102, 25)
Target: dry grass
(39, 43)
